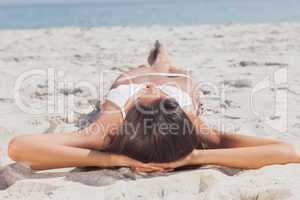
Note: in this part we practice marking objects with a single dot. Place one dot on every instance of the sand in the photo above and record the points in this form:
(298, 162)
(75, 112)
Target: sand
(234, 63)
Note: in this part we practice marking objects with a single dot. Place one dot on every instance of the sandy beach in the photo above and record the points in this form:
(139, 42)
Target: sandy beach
(52, 78)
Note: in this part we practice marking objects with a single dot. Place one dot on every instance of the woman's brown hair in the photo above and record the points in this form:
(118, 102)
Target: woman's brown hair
(160, 132)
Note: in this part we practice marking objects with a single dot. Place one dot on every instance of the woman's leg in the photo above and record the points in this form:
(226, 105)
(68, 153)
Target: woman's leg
(159, 58)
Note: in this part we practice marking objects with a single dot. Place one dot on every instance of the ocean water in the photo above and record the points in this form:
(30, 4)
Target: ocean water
(149, 12)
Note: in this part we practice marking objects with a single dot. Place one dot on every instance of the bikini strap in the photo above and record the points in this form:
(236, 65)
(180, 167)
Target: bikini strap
(155, 74)
(123, 112)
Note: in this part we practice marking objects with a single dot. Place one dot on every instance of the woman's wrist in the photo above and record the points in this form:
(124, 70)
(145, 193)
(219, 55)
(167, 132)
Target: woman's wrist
(196, 157)
(116, 160)
(102, 159)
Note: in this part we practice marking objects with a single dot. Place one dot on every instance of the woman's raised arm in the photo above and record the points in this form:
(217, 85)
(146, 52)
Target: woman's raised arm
(40, 153)
(242, 157)
(214, 139)
(75, 149)
(237, 151)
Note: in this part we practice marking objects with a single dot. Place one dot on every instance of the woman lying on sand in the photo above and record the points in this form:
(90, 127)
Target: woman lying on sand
(150, 122)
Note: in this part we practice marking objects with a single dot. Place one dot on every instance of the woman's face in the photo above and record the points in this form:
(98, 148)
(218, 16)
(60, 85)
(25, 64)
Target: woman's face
(149, 94)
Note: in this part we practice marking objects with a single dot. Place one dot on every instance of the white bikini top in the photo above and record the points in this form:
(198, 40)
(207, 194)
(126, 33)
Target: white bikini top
(155, 74)
(120, 95)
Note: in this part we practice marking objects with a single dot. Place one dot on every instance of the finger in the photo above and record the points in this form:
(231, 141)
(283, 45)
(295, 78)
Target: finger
(163, 165)
(160, 165)
(135, 164)
(138, 169)
(154, 169)
(169, 170)
(144, 170)
(147, 170)
(148, 166)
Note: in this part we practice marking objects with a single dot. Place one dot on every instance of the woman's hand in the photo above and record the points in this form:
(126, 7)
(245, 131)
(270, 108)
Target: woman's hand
(134, 165)
(190, 159)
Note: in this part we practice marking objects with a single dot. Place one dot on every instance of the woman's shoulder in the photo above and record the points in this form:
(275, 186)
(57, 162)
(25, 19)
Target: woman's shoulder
(109, 110)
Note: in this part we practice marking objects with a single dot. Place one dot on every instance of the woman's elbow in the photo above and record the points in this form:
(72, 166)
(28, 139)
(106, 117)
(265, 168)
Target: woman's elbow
(15, 148)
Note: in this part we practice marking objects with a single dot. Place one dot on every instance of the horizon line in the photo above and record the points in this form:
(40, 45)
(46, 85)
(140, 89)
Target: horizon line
(86, 3)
